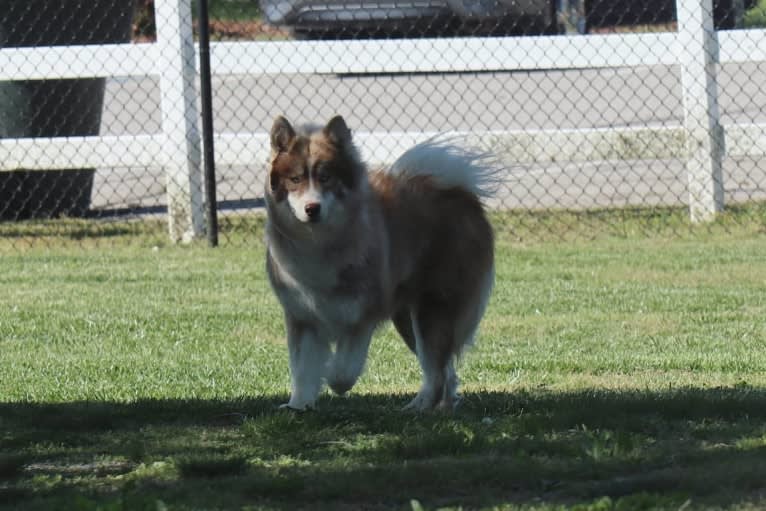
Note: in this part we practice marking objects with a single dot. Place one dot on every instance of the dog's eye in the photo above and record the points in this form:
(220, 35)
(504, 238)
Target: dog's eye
(323, 178)
(296, 179)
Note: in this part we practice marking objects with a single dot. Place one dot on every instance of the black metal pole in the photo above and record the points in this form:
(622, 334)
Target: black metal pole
(211, 203)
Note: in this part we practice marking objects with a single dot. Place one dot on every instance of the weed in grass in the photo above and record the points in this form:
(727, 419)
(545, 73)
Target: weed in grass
(600, 445)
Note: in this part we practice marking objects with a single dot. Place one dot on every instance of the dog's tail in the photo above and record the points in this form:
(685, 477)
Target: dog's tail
(451, 164)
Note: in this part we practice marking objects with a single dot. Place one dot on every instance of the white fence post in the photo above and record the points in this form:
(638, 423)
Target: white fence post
(177, 71)
(699, 53)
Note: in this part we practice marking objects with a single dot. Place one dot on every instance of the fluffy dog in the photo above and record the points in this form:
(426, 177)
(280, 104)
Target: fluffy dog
(349, 249)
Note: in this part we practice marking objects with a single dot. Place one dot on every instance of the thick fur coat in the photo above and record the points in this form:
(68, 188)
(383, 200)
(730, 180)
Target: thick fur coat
(349, 249)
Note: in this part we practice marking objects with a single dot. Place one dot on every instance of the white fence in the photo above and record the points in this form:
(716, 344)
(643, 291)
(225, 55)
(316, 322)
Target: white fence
(696, 48)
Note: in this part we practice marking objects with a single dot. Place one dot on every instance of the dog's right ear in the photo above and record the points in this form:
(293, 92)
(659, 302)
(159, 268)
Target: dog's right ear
(281, 135)
(337, 131)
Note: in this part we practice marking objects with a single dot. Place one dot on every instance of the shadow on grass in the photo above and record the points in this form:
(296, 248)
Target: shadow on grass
(635, 449)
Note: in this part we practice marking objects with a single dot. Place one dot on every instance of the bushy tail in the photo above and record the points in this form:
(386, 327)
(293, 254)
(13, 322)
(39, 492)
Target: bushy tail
(451, 164)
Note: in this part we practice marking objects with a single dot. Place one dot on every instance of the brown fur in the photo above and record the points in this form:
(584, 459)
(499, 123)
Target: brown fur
(443, 237)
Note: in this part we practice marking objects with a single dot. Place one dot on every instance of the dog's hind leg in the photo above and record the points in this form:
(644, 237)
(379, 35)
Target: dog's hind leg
(308, 356)
(467, 317)
(449, 398)
(403, 322)
(442, 328)
(433, 329)
(347, 363)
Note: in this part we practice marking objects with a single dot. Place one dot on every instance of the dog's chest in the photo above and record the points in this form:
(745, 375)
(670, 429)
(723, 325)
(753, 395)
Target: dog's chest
(339, 295)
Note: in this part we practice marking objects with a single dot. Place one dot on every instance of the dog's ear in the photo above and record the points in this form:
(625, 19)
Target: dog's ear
(281, 135)
(337, 131)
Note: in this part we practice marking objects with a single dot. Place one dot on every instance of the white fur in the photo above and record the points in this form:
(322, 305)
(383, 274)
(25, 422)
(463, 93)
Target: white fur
(481, 305)
(450, 397)
(307, 355)
(427, 393)
(451, 164)
(302, 276)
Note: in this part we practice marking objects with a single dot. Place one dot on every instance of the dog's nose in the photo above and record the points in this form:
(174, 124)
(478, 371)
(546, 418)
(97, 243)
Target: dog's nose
(312, 210)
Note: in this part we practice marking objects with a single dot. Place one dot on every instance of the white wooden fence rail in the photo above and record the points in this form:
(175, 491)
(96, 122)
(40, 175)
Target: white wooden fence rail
(696, 48)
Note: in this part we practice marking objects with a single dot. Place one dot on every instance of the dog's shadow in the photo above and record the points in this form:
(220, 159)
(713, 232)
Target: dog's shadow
(496, 447)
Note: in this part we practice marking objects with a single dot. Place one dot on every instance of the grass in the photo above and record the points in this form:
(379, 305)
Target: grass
(756, 16)
(232, 10)
(622, 372)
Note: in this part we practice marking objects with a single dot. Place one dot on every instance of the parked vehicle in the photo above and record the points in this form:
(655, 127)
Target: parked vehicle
(350, 19)
(345, 19)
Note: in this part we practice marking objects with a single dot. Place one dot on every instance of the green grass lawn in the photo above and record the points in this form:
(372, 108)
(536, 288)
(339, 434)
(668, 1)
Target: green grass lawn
(625, 372)
(756, 16)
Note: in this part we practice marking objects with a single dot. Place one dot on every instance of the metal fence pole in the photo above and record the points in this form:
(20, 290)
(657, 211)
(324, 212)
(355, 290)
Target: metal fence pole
(175, 40)
(211, 204)
(699, 54)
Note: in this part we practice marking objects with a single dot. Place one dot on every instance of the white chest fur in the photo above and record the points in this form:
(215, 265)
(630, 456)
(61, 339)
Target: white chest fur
(313, 291)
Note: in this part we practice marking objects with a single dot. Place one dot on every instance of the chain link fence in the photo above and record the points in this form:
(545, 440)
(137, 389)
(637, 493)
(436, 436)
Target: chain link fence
(602, 112)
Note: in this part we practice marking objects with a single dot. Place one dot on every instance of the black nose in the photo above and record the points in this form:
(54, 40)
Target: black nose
(312, 210)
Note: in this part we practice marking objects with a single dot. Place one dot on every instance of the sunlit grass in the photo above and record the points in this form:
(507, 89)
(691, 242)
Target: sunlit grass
(618, 367)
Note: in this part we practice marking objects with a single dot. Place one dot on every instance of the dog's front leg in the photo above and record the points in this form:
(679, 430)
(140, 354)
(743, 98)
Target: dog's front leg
(349, 359)
(308, 356)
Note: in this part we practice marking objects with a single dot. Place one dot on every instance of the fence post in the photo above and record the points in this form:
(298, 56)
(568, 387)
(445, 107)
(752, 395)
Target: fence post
(699, 54)
(177, 70)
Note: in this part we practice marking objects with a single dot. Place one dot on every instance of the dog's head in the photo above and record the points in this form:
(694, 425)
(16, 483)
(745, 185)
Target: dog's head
(313, 175)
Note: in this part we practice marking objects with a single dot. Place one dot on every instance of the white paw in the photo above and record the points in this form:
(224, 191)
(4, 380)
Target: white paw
(298, 406)
(422, 402)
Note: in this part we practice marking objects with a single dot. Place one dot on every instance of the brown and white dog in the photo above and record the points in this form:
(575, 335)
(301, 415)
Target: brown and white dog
(348, 249)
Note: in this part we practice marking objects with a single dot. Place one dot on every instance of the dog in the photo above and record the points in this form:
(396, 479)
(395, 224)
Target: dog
(348, 249)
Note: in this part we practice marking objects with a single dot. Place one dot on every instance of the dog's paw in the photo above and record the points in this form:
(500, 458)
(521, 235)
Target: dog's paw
(340, 378)
(427, 400)
(448, 405)
(420, 403)
(340, 387)
(294, 407)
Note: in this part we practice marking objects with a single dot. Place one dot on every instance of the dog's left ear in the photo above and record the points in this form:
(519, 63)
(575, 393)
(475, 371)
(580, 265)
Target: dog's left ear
(281, 135)
(337, 131)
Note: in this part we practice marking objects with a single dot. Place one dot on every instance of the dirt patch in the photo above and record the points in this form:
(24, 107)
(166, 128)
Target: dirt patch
(225, 30)
(625, 29)
(245, 30)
